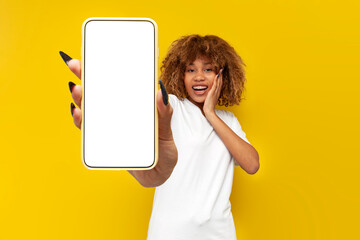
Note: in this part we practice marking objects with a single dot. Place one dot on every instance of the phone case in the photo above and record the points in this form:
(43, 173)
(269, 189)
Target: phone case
(84, 157)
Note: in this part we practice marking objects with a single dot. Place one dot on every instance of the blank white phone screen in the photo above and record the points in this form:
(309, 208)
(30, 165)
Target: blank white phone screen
(119, 94)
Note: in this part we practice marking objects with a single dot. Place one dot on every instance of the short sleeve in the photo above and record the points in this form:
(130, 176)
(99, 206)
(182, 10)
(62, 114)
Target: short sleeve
(173, 100)
(236, 127)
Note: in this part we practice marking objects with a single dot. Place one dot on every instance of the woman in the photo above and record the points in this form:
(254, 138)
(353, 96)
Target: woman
(199, 145)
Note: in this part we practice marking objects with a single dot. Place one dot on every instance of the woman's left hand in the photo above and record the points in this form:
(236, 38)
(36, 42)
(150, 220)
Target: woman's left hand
(213, 95)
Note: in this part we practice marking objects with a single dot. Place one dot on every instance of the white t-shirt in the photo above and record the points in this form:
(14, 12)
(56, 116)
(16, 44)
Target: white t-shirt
(194, 201)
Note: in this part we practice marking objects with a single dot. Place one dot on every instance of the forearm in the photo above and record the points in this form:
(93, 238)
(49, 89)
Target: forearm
(161, 172)
(244, 154)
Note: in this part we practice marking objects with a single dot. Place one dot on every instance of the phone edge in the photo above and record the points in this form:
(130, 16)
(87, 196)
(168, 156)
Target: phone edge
(156, 88)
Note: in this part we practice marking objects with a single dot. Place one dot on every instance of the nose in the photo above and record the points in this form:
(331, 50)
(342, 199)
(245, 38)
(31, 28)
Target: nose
(199, 76)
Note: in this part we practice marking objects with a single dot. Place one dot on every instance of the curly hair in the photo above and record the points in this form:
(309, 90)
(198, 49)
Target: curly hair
(187, 49)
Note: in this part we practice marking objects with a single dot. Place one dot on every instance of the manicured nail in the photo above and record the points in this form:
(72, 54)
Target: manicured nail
(220, 72)
(72, 106)
(65, 57)
(71, 84)
(164, 94)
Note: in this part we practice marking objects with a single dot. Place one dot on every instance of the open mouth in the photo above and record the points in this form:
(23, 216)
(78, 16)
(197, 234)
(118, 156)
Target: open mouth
(199, 88)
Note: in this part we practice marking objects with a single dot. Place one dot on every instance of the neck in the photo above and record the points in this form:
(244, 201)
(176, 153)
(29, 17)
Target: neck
(199, 105)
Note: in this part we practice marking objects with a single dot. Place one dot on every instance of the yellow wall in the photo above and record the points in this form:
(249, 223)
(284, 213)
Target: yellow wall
(301, 113)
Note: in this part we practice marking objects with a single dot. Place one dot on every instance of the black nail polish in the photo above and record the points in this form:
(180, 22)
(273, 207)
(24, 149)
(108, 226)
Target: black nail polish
(220, 72)
(71, 84)
(164, 94)
(72, 106)
(65, 57)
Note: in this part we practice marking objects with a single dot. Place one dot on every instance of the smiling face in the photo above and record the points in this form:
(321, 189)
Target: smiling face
(199, 77)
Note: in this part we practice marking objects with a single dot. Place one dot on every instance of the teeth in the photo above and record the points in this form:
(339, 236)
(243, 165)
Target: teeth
(200, 87)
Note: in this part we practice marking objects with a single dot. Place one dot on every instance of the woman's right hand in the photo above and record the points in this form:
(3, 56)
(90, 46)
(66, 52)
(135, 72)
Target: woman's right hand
(164, 111)
(76, 91)
(167, 149)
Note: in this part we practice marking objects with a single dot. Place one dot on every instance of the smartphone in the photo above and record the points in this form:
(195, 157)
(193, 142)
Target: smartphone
(119, 75)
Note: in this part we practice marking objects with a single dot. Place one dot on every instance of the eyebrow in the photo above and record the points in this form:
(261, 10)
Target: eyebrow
(204, 63)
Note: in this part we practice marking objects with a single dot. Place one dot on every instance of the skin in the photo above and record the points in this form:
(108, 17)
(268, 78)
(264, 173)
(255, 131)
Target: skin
(167, 150)
(201, 72)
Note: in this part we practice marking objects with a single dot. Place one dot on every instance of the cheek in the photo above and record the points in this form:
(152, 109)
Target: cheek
(211, 84)
(187, 85)
(212, 79)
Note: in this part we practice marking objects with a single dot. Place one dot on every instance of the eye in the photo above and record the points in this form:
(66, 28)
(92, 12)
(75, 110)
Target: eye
(190, 70)
(209, 69)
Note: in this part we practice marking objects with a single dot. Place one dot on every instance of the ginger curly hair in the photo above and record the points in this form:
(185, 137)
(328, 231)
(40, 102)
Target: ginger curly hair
(187, 49)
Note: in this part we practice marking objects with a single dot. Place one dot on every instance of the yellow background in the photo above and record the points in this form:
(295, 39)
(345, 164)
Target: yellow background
(301, 113)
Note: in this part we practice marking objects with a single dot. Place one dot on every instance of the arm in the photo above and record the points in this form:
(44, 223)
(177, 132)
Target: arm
(168, 154)
(163, 169)
(244, 154)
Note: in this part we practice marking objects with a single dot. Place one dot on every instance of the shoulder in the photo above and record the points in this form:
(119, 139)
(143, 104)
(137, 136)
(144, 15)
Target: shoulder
(233, 123)
(174, 101)
(227, 116)
(224, 113)
(173, 98)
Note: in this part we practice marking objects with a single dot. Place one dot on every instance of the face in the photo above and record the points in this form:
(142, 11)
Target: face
(199, 77)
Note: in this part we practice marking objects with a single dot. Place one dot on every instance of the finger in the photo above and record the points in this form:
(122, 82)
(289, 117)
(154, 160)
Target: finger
(164, 93)
(73, 64)
(219, 87)
(214, 85)
(77, 117)
(219, 80)
(75, 67)
(76, 94)
(165, 114)
(165, 111)
(219, 72)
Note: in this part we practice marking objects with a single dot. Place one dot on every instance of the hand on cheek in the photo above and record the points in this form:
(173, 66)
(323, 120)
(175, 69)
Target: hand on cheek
(213, 95)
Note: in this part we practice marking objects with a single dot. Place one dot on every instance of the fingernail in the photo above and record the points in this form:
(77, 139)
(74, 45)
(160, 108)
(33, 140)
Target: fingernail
(220, 72)
(65, 57)
(72, 106)
(164, 94)
(71, 84)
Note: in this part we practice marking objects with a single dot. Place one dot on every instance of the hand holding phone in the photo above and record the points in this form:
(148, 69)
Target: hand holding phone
(167, 148)
(95, 67)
